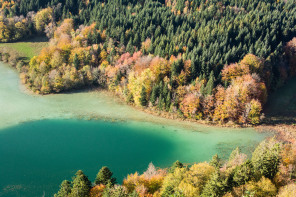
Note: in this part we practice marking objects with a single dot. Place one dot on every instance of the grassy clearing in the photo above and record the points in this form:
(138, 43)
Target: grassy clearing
(27, 49)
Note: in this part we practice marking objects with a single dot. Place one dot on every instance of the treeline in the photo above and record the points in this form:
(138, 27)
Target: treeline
(171, 56)
(269, 172)
(157, 83)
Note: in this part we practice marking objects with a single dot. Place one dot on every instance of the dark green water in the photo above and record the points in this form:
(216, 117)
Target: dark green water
(37, 156)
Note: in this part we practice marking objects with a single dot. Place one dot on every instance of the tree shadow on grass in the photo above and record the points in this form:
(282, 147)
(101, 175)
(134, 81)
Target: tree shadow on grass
(281, 107)
(33, 39)
(24, 59)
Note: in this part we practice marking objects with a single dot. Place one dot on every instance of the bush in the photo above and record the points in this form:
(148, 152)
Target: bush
(288, 190)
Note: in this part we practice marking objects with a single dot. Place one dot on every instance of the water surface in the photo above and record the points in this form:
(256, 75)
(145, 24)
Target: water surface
(45, 139)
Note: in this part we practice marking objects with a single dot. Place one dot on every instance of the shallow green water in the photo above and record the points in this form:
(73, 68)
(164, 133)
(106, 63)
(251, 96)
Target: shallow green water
(44, 141)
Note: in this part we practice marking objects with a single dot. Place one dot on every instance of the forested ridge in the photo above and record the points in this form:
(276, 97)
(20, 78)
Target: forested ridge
(212, 60)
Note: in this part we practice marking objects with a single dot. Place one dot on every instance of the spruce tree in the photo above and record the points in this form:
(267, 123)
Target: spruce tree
(160, 102)
(143, 98)
(76, 61)
(216, 161)
(243, 173)
(175, 165)
(130, 47)
(168, 101)
(266, 158)
(165, 90)
(65, 189)
(122, 40)
(104, 177)
(81, 185)
(210, 85)
(215, 187)
(154, 94)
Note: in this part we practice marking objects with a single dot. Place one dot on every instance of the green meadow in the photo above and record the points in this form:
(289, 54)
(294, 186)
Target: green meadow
(27, 49)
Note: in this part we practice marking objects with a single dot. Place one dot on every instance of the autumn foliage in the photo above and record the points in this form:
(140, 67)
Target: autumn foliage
(68, 62)
(72, 61)
(147, 183)
(263, 174)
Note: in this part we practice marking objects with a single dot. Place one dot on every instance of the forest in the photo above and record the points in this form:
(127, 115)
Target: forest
(201, 60)
(269, 172)
(215, 61)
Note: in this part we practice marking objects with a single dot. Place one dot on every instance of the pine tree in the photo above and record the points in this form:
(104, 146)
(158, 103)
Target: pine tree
(122, 39)
(143, 98)
(104, 177)
(76, 62)
(81, 185)
(215, 187)
(243, 173)
(175, 165)
(168, 101)
(216, 161)
(266, 158)
(130, 47)
(165, 90)
(160, 104)
(136, 40)
(210, 85)
(176, 67)
(154, 94)
(65, 189)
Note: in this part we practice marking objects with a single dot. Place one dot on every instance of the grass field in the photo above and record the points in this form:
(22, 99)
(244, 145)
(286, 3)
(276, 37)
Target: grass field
(27, 49)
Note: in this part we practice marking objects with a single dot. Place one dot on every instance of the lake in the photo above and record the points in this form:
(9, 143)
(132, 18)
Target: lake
(46, 139)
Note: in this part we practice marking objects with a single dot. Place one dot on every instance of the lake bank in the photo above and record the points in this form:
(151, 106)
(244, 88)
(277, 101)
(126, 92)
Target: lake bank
(45, 139)
(88, 104)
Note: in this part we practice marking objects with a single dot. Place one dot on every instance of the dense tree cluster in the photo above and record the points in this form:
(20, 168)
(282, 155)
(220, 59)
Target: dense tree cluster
(67, 63)
(20, 27)
(175, 56)
(269, 172)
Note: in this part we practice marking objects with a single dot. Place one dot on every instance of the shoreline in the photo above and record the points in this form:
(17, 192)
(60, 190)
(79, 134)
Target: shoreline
(156, 113)
(280, 130)
(167, 115)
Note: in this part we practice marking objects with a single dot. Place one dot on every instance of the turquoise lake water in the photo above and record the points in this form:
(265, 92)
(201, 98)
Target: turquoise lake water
(46, 139)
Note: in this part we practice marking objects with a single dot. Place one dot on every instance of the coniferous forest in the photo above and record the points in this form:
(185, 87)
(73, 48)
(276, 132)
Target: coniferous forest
(211, 60)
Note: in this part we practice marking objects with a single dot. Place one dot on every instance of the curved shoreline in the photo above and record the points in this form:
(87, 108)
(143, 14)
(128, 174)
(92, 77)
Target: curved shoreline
(137, 114)
(87, 105)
